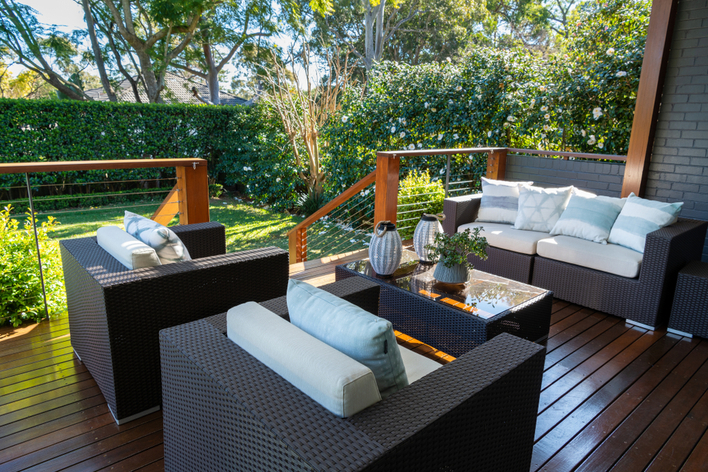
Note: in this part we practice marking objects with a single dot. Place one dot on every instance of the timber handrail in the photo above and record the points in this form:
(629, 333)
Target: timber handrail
(297, 237)
(189, 198)
(582, 155)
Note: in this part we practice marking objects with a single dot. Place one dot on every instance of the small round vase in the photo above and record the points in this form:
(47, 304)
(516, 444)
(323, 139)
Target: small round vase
(385, 249)
(425, 231)
(457, 274)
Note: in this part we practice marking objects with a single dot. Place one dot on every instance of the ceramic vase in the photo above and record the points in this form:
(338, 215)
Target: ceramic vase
(386, 249)
(425, 231)
(457, 274)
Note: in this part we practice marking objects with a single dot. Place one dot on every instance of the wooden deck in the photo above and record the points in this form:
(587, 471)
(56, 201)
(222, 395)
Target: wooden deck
(614, 397)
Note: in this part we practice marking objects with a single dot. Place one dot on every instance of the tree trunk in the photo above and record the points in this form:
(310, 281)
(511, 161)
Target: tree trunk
(97, 52)
(368, 35)
(212, 75)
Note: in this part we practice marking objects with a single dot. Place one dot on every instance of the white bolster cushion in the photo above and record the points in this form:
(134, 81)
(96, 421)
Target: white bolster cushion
(129, 251)
(334, 380)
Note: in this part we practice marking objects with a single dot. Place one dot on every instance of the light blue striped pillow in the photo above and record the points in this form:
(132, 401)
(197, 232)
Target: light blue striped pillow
(500, 201)
(640, 217)
(589, 217)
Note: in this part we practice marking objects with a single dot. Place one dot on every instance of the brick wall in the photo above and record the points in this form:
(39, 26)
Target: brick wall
(678, 170)
(597, 177)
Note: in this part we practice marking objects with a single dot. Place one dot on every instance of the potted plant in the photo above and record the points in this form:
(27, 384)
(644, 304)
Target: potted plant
(450, 252)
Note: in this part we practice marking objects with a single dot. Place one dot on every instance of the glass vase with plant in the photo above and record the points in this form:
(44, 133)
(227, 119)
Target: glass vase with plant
(450, 252)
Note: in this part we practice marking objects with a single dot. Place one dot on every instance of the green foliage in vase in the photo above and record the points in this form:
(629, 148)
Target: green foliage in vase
(20, 286)
(417, 194)
(453, 250)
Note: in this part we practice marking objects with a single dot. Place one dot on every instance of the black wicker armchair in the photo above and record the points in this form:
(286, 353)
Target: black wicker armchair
(115, 313)
(225, 410)
(645, 300)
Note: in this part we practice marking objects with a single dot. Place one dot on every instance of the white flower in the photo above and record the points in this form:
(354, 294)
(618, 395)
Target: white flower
(456, 136)
(489, 134)
(239, 149)
(610, 51)
(479, 97)
(247, 168)
(353, 241)
(403, 121)
(426, 104)
(345, 118)
(544, 108)
(546, 128)
(533, 102)
(420, 145)
(582, 133)
(411, 146)
(510, 118)
(433, 110)
(597, 112)
(402, 134)
(458, 88)
(393, 129)
(277, 179)
(592, 140)
(543, 136)
(547, 116)
(450, 101)
(600, 145)
(442, 171)
(440, 136)
(400, 89)
(542, 88)
(620, 73)
(506, 124)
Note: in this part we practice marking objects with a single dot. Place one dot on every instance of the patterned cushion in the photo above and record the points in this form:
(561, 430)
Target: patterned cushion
(500, 201)
(360, 335)
(640, 217)
(540, 208)
(589, 218)
(168, 246)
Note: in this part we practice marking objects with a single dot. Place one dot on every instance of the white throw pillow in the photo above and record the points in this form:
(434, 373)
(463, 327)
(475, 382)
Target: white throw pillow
(166, 243)
(589, 218)
(540, 208)
(640, 217)
(500, 201)
(127, 250)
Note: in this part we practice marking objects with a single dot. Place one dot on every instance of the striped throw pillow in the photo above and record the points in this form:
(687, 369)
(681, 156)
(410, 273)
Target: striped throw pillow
(166, 243)
(589, 217)
(640, 217)
(500, 201)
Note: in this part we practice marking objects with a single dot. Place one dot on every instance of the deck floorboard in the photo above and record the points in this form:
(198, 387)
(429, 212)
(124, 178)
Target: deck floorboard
(614, 397)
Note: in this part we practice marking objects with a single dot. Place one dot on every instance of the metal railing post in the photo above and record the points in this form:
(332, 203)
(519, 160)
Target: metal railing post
(36, 241)
(447, 178)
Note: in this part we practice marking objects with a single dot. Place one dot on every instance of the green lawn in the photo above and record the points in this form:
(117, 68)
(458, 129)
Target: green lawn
(247, 227)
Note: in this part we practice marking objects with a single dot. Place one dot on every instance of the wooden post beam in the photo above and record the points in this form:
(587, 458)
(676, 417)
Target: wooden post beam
(194, 197)
(496, 164)
(386, 201)
(651, 82)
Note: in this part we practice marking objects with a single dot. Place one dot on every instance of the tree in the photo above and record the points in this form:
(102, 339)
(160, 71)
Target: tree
(303, 110)
(98, 54)
(230, 26)
(38, 48)
(157, 31)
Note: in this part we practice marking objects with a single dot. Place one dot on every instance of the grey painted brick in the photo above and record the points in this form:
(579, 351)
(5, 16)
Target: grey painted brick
(679, 170)
(696, 197)
(692, 152)
(691, 134)
(689, 24)
(685, 107)
(697, 179)
(701, 143)
(696, 33)
(658, 183)
(704, 125)
(699, 162)
(673, 116)
(679, 142)
(669, 194)
(668, 133)
(693, 51)
(681, 125)
(613, 179)
(679, 160)
(691, 89)
(697, 98)
(686, 187)
(701, 61)
(699, 79)
(661, 167)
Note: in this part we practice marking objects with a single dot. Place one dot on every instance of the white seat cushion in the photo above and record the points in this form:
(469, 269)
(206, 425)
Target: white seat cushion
(609, 258)
(417, 366)
(331, 378)
(503, 236)
(127, 250)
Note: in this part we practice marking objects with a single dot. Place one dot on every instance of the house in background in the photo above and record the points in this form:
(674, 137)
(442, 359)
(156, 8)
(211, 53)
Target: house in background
(178, 89)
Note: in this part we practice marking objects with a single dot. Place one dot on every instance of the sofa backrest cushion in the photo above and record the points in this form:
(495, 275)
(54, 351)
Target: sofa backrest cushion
(500, 201)
(640, 217)
(589, 218)
(332, 379)
(166, 243)
(540, 208)
(126, 249)
(349, 329)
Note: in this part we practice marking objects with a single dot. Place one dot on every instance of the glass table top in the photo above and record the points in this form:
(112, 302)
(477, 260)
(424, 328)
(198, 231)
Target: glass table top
(485, 295)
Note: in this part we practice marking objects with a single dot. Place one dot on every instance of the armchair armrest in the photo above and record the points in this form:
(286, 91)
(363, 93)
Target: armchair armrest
(460, 210)
(202, 239)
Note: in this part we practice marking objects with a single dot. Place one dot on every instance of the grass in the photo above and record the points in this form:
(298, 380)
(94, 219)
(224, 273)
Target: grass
(247, 227)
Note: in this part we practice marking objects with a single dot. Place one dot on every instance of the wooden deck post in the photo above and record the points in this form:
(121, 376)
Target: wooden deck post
(194, 195)
(496, 164)
(651, 83)
(386, 202)
(297, 245)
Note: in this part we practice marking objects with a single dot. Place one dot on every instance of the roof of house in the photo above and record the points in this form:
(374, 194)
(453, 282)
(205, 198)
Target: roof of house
(178, 89)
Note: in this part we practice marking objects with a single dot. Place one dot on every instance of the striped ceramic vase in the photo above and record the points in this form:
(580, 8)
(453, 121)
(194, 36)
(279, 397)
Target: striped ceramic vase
(386, 249)
(425, 231)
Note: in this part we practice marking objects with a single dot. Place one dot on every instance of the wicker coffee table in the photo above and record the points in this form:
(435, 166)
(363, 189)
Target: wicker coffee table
(456, 318)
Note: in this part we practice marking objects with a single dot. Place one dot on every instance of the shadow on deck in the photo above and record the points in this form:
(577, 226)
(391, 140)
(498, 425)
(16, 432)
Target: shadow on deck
(614, 396)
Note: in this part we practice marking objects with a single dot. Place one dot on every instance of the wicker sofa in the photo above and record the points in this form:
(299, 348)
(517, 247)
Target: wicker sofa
(645, 299)
(224, 410)
(115, 313)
